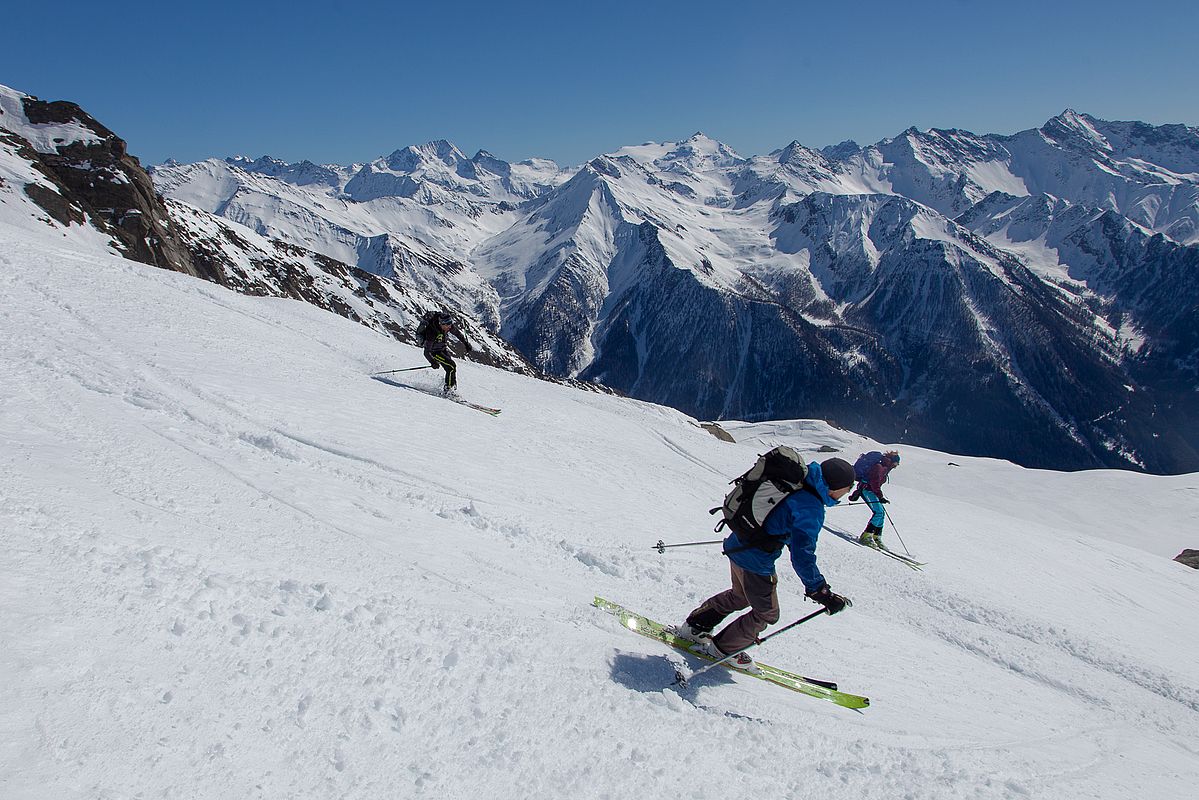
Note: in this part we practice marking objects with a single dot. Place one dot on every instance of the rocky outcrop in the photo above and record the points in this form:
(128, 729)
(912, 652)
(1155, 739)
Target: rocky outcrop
(1188, 557)
(96, 176)
(717, 431)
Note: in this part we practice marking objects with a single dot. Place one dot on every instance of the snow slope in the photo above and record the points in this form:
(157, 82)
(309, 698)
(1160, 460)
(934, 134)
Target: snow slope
(232, 565)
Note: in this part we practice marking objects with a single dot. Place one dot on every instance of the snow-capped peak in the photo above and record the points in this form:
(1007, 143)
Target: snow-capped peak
(796, 153)
(841, 151)
(303, 173)
(1071, 125)
(415, 157)
(700, 151)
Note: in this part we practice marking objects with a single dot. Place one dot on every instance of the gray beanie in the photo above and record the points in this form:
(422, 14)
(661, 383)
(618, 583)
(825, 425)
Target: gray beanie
(838, 473)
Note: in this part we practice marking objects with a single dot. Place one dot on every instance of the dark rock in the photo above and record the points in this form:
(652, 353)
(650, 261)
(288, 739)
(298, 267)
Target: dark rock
(1188, 557)
(55, 204)
(102, 181)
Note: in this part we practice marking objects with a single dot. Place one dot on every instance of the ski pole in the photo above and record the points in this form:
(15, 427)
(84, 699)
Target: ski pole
(680, 678)
(897, 536)
(408, 369)
(661, 546)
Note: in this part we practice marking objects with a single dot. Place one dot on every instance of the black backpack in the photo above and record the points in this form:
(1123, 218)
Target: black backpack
(773, 478)
(426, 323)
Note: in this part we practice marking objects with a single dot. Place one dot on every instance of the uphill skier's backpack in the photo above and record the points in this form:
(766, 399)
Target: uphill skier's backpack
(865, 463)
(773, 478)
(426, 323)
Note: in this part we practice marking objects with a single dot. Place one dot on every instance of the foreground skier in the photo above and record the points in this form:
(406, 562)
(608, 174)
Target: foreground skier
(795, 523)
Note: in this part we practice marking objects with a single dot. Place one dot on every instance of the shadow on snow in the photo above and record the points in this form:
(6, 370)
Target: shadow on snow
(650, 674)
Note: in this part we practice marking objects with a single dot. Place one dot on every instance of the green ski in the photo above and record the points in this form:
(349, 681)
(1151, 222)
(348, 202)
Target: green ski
(788, 680)
(905, 560)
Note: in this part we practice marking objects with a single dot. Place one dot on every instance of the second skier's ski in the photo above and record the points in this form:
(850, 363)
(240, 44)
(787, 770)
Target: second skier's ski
(900, 557)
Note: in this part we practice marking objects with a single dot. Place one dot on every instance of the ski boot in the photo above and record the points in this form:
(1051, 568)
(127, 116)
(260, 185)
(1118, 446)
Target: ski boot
(872, 536)
(742, 661)
(689, 633)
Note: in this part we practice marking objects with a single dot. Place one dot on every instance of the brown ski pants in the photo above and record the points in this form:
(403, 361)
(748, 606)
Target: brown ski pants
(759, 593)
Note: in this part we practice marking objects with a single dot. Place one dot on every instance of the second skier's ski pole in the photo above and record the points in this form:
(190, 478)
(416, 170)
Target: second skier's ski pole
(680, 678)
(897, 536)
(661, 546)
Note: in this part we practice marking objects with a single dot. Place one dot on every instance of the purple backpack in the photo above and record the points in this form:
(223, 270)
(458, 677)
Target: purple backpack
(861, 467)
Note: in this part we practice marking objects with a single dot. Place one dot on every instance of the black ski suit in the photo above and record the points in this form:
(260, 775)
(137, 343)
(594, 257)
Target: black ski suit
(437, 349)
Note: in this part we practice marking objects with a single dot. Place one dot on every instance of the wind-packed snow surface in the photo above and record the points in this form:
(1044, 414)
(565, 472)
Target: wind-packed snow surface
(233, 565)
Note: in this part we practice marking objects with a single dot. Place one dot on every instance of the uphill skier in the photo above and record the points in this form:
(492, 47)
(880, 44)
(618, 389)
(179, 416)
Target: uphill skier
(794, 522)
(871, 471)
(435, 330)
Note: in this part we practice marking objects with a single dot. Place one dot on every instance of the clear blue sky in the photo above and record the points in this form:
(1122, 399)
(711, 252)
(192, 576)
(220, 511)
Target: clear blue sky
(350, 81)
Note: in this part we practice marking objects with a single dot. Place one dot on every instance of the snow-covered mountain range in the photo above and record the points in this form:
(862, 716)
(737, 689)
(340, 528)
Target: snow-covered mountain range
(919, 288)
(1033, 296)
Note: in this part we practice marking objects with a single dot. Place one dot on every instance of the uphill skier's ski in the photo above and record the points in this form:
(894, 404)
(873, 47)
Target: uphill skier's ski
(439, 393)
(492, 411)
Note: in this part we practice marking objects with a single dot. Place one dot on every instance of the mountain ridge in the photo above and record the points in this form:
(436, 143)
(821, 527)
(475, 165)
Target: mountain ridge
(909, 279)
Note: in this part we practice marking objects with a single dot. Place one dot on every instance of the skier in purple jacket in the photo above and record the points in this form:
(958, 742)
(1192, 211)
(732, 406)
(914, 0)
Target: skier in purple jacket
(870, 489)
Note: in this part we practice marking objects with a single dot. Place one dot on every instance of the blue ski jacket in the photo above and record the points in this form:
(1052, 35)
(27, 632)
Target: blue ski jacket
(797, 522)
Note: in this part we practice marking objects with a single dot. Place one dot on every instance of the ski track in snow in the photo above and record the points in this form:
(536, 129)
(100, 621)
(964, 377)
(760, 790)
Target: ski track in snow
(234, 566)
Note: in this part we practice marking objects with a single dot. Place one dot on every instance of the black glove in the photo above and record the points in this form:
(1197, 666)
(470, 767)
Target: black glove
(856, 496)
(833, 602)
(883, 500)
